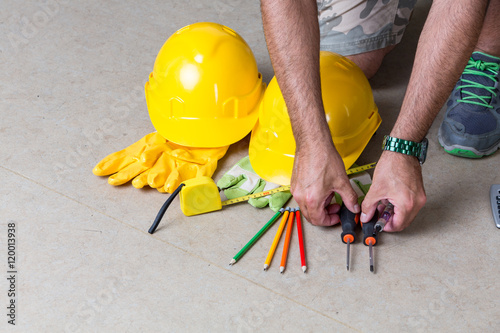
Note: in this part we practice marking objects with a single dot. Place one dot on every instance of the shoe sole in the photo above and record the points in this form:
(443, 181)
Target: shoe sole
(468, 152)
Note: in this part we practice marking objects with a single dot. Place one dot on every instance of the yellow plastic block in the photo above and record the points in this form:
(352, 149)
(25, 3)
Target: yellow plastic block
(199, 195)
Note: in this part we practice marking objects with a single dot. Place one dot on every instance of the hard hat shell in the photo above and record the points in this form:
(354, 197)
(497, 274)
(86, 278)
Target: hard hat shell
(205, 87)
(350, 111)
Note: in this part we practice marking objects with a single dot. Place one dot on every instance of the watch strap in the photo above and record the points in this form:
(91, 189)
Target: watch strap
(406, 147)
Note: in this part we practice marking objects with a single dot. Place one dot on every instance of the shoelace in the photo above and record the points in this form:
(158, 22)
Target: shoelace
(478, 67)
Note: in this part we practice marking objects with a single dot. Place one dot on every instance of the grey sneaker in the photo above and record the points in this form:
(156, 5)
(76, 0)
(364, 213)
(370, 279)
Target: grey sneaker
(471, 126)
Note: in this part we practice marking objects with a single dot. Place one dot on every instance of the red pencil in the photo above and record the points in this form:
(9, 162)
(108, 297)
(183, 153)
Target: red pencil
(301, 240)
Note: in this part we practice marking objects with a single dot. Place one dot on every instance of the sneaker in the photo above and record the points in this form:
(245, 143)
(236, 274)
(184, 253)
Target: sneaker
(471, 126)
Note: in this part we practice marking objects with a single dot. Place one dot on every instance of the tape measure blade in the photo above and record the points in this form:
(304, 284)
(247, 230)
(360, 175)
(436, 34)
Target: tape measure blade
(256, 195)
(287, 187)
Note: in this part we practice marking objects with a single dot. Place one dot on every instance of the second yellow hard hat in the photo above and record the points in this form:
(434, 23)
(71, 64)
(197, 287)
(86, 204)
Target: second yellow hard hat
(350, 111)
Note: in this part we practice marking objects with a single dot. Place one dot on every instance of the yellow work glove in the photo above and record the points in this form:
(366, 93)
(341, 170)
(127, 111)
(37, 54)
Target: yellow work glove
(159, 163)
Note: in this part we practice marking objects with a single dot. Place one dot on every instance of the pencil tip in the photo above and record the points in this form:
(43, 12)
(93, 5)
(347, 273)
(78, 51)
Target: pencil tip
(371, 269)
(232, 262)
(304, 268)
(265, 267)
(282, 269)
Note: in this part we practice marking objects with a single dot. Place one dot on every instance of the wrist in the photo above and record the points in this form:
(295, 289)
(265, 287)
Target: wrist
(319, 140)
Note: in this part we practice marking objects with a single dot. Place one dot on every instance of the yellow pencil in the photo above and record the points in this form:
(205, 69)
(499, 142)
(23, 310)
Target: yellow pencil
(276, 239)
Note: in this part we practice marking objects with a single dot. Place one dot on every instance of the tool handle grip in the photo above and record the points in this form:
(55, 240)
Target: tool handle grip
(348, 220)
(369, 234)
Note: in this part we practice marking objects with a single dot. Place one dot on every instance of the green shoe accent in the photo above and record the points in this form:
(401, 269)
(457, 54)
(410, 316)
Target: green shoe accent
(463, 153)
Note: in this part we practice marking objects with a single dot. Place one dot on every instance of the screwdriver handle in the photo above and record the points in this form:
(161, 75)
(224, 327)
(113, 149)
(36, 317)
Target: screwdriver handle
(369, 234)
(348, 220)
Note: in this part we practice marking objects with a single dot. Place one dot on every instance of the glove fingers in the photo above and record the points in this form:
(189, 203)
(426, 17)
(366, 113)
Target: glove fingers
(151, 154)
(159, 173)
(126, 174)
(121, 159)
(278, 200)
(262, 201)
(229, 180)
(275, 201)
(208, 169)
(113, 163)
(236, 192)
(162, 189)
(173, 181)
(259, 202)
(141, 180)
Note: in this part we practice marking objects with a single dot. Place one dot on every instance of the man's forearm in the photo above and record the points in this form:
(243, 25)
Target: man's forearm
(292, 34)
(447, 40)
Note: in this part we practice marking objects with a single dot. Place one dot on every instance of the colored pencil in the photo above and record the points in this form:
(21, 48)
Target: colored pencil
(288, 236)
(256, 237)
(276, 238)
(301, 241)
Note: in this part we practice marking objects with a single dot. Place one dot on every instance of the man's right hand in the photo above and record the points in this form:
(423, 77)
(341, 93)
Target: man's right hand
(318, 173)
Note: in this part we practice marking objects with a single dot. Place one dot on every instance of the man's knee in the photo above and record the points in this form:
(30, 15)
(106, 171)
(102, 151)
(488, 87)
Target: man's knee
(370, 62)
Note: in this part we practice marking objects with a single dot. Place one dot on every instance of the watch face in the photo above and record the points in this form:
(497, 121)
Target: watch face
(423, 151)
(384, 142)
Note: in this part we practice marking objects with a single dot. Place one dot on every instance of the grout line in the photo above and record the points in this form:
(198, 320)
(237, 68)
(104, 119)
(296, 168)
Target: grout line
(177, 247)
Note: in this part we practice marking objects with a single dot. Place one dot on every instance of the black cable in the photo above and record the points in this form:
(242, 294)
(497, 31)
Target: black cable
(163, 209)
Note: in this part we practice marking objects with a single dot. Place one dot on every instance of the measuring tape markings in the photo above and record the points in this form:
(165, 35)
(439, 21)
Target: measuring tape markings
(287, 187)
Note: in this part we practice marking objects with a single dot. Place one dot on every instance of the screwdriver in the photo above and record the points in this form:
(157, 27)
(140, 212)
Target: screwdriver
(348, 220)
(370, 237)
(384, 218)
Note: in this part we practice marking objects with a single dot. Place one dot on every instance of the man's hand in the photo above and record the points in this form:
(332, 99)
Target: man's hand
(318, 173)
(397, 179)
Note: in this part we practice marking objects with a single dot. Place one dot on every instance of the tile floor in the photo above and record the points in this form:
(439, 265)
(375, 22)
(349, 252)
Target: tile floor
(71, 92)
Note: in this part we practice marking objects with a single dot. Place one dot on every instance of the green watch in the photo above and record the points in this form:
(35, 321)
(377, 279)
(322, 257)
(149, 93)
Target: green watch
(417, 149)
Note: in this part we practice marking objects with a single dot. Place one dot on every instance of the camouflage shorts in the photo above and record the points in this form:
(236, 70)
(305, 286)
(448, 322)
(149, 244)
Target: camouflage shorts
(356, 26)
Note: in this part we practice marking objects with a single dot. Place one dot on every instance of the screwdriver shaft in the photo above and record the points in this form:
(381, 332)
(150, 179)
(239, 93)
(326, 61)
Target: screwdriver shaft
(370, 251)
(348, 253)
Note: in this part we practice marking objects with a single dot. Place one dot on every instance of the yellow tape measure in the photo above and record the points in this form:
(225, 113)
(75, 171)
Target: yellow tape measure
(287, 187)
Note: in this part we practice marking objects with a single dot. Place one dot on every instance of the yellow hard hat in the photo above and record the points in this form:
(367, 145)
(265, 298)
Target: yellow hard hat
(350, 111)
(205, 87)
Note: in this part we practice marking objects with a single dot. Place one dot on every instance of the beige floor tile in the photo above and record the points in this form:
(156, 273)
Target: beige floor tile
(72, 92)
(80, 270)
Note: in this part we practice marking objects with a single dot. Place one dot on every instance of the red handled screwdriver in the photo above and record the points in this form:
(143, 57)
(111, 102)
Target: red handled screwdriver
(370, 237)
(348, 220)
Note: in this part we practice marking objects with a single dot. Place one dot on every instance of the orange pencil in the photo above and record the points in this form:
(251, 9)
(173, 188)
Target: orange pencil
(288, 236)
(277, 238)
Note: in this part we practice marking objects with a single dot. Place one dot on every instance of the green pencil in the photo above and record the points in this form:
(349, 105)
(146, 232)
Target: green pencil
(256, 237)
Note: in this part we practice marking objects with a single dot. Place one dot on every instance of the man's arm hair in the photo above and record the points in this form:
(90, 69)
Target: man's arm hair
(446, 43)
(292, 34)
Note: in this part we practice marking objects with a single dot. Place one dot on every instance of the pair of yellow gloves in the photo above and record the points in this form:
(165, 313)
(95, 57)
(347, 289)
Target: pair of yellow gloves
(159, 163)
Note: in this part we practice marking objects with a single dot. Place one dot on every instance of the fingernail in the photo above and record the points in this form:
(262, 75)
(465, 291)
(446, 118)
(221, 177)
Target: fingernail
(363, 217)
(356, 208)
